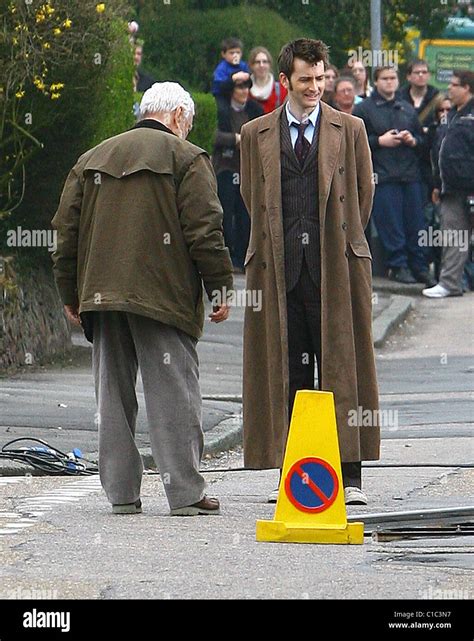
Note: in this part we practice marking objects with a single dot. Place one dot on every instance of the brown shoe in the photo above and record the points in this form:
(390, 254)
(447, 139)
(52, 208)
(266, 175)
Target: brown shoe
(205, 506)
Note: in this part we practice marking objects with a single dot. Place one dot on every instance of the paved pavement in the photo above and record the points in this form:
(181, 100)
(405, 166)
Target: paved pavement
(50, 526)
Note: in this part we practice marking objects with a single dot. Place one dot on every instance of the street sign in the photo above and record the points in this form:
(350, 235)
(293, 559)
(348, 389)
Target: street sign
(443, 56)
(312, 485)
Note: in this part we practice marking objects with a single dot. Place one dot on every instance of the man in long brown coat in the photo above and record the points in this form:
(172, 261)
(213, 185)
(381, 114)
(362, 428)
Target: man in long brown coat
(307, 183)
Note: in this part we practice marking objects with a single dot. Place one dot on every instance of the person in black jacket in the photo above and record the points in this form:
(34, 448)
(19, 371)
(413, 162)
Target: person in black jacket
(422, 96)
(434, 137)
(395, 138)
(232, 113)
(419, 93)
(456, 175)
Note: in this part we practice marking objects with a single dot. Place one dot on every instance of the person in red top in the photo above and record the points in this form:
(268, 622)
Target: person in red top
(267, 91)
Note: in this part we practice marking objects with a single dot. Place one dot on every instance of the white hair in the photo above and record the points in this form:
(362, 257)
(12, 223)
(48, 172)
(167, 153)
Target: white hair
(166, 97)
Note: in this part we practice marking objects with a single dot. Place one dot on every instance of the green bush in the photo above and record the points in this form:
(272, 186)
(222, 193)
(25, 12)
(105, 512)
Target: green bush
(114, 93)
(205, 121)
(95, 103)
(184, 45)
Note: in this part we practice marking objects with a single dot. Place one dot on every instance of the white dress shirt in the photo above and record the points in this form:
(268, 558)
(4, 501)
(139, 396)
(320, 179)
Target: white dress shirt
(309, 131)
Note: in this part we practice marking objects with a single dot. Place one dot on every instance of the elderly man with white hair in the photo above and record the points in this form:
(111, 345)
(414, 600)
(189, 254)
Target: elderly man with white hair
(139, 229)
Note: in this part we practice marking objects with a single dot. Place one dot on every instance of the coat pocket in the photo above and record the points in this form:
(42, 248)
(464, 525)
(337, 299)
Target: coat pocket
(360, 248)
(250, 254)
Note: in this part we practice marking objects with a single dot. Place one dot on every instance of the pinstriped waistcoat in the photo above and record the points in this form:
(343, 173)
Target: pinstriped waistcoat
(300, 208)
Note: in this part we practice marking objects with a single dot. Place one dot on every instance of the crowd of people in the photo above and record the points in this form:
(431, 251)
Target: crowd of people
(405, 126)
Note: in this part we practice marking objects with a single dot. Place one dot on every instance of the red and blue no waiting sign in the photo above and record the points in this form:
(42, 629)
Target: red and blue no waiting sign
(311, 485)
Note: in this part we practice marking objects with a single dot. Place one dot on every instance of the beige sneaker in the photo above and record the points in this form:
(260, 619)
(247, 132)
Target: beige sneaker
(273, 496)
(354, 496)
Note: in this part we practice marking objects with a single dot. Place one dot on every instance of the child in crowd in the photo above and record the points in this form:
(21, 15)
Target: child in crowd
(229, 70)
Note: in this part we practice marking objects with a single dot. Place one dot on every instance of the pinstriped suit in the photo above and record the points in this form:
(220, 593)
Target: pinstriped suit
(300, 209)
(300, 213)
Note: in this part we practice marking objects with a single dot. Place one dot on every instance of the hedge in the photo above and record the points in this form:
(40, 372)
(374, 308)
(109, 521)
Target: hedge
(205, 121)
(184, 45)
(96, 103)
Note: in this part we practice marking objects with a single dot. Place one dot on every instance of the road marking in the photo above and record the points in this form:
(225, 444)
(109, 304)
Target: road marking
(29, 510)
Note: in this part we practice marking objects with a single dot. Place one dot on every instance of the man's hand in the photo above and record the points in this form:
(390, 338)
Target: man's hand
(435, 196)
(390, 138)
(237, 140)
(72, 313)
(406, 137)
(220, 313)
(240, 76)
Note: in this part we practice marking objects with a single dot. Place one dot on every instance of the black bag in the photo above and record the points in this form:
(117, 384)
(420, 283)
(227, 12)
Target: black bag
(87, 322)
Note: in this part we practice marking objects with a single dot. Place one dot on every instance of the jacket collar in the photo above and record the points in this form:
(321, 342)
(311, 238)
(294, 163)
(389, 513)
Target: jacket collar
(468, 108)
(431, 92)
(151, 123)
(312, 118)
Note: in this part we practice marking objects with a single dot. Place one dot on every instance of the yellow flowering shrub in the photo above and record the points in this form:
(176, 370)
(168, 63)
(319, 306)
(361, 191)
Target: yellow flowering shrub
(61, 61)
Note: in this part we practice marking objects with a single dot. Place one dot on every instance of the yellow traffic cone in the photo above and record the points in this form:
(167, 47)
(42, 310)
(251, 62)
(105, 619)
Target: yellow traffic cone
(310, 506)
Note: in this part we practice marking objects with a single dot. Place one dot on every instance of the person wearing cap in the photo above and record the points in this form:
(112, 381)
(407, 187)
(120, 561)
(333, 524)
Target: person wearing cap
(238, 109)
(139, 228)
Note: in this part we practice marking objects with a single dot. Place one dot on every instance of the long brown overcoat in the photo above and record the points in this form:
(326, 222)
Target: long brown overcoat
(348, 364)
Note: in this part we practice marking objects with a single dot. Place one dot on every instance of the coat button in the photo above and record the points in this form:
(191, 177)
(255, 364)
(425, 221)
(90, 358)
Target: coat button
(342, 198)
(346, 254)
(263, 206)
(264, 265)
(341, 170)
(264, 235)
(344, 225)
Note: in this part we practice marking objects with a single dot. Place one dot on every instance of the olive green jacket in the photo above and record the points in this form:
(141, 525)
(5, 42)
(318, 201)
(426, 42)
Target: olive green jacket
(139, 229)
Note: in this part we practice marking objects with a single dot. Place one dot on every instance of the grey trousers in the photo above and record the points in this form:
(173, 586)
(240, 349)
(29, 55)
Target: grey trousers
(170, 373)
(454, 219)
